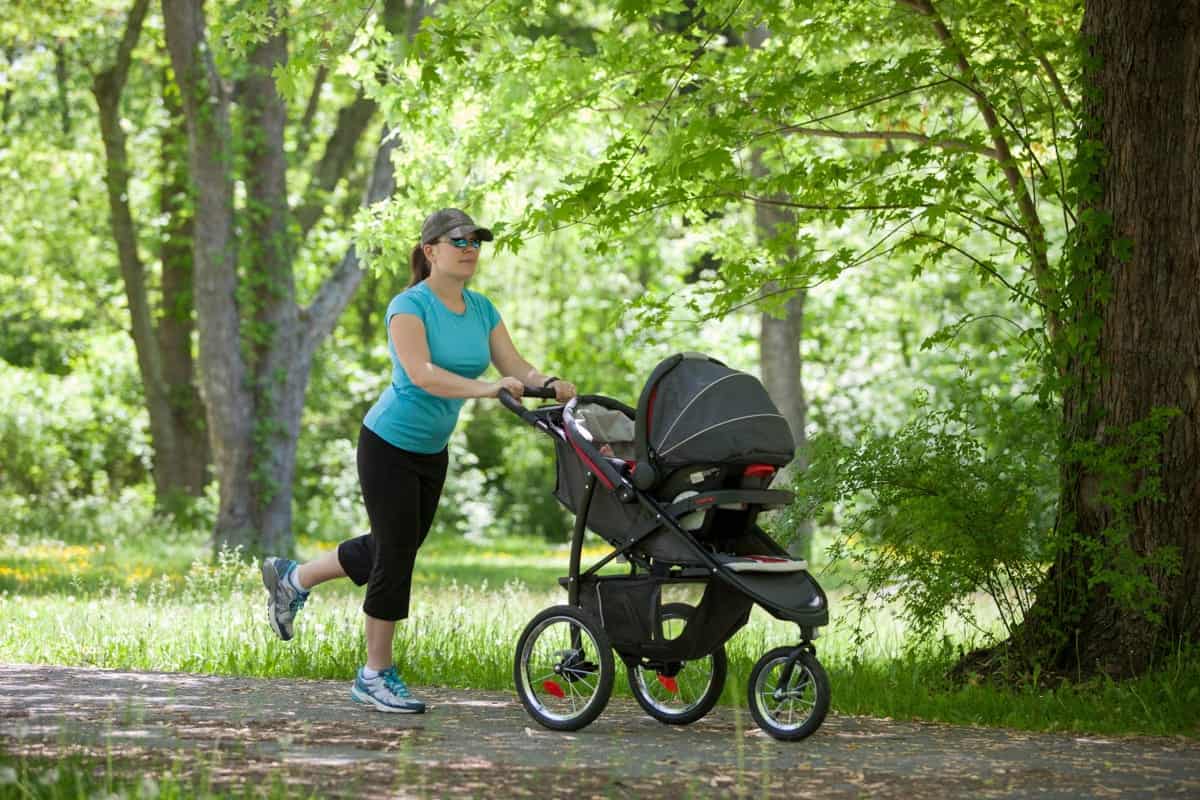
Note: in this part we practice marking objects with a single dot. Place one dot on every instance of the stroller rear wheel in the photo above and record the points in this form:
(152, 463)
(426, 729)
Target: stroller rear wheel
(564, 668)
(793, 711)
(678, 693)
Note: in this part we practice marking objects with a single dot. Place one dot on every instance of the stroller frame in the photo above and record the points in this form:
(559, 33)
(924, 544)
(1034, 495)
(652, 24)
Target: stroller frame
(704, 567)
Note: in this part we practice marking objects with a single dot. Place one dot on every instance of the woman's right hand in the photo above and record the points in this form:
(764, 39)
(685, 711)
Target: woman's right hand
(512, 385)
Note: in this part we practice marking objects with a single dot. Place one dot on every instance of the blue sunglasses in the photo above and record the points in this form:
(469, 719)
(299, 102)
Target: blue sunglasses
(462, 244)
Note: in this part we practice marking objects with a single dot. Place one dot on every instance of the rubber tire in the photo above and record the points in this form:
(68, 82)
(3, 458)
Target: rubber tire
(710, 697)
(820, 705)
(605, 661)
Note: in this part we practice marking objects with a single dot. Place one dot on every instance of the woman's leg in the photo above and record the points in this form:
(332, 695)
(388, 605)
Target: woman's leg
(380, 633)
(400, 491)
(324, 567)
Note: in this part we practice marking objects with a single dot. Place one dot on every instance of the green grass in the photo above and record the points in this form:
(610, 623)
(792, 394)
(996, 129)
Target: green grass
(157, 604)
(76, 776)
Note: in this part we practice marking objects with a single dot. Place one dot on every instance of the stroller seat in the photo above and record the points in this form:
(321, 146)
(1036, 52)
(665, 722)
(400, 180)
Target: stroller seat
(760, 563)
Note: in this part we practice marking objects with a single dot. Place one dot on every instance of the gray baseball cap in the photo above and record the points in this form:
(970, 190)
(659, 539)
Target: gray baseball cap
(453, 224)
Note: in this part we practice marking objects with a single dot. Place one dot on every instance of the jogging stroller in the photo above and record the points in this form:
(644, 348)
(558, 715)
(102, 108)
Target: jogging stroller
(675, 487)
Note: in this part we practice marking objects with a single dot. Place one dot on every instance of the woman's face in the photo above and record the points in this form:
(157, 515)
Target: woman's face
(455, 261)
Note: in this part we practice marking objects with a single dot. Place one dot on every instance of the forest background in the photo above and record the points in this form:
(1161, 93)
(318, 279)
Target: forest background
(900, 214)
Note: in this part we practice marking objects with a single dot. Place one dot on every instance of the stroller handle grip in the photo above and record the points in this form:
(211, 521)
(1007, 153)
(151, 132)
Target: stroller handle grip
(514, 405)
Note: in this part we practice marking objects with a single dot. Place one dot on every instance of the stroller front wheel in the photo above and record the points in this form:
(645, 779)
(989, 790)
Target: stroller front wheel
(793, 711)
(563, 668)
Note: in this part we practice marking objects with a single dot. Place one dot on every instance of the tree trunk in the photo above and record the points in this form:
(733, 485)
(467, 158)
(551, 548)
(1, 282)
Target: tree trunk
(174, 461)
(1147, 355)
(782, 370)
(254, 378)
(187, 468)
(779, 339)
(224, 377)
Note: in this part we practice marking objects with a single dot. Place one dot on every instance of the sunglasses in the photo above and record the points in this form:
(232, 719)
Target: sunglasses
(462, 244)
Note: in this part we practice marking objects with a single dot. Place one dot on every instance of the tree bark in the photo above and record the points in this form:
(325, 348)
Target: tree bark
(188, 468)
(1146, 106)
(255, 360)
(779, 340)
(224, 377)
(165, 372)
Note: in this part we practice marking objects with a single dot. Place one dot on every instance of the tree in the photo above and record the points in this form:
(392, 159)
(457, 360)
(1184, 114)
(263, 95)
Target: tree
(953, 130)
(1122, 590)
(164, 350)
(256, 343)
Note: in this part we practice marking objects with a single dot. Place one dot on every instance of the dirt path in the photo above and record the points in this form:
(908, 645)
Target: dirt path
(482, 744)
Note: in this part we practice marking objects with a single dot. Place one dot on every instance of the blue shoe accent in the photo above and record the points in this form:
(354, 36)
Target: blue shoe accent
(387, 692)
(284, 601)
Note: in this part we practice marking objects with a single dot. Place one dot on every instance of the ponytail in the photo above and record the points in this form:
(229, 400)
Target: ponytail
(420, 265)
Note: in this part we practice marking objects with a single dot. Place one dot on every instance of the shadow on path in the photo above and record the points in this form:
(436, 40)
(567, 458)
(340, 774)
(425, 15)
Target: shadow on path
(482, 744)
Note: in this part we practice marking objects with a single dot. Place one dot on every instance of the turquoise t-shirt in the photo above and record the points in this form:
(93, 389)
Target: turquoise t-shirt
(406, 415)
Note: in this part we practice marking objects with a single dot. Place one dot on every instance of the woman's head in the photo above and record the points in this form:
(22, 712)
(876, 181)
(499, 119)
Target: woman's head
(450, 241)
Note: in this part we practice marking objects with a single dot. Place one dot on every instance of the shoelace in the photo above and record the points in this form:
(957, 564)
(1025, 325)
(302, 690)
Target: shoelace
(395, 683)
(298, 602)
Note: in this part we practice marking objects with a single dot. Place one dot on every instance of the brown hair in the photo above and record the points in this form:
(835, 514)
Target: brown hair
(420, 265)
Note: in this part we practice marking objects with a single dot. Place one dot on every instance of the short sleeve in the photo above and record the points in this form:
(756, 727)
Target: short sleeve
(491, 316)
(405, 303)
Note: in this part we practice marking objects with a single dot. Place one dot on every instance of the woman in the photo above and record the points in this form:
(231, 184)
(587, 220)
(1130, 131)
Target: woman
(441, 337)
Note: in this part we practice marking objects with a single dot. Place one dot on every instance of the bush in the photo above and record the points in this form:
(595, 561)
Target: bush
(957, 501)
(75, 435)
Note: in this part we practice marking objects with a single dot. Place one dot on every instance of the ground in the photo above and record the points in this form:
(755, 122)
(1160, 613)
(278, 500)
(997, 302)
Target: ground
(482, 744)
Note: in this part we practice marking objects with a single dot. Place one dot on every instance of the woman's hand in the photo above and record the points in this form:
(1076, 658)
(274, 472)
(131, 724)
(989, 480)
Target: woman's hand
(563, 390)
(512, 385)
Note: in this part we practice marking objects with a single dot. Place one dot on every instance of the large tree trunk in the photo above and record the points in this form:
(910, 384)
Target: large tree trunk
(254, 384)
(187, 468)
(276, 330)
(224, 377)
(1147, 356)
(178, 469)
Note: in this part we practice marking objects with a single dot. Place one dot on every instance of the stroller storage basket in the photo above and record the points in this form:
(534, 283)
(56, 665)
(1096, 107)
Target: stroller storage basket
(630, 611)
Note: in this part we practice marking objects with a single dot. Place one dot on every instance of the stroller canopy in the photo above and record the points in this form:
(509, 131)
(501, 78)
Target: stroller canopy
(696, 410)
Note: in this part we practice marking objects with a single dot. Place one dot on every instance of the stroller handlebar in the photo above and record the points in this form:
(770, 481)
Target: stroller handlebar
(514, 405)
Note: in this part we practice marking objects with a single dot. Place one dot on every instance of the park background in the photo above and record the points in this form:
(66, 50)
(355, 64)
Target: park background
(899, 214)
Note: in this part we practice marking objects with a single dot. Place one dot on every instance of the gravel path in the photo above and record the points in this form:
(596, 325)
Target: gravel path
(482, 744)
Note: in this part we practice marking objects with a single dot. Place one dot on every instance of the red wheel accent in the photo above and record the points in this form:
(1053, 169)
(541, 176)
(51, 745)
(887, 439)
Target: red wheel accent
(553, 688)
(668, 683)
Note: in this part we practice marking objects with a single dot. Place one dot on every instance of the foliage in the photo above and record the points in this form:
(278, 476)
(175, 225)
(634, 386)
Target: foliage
(957, 501)
(72, 436)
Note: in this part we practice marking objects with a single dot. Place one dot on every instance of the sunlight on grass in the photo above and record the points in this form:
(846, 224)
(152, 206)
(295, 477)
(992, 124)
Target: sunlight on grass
(101, 605)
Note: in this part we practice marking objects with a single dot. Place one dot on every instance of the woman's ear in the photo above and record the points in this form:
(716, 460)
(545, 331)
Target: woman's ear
(428, 250)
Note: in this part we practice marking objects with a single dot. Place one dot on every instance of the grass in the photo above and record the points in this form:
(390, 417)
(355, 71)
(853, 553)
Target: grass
(78, 776)
(156, 603)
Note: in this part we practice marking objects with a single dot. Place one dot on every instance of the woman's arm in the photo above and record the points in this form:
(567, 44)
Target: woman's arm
(408, 337)
(512, 365)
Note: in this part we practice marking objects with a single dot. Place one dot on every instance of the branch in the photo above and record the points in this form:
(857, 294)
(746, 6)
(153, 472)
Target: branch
(699, 51)
(813, 207)
(1034, 230)
(982, 265)
(321, 315)
(304, 126)
(1058, 87)
(860, 106)
(945, 144)
(339, 152)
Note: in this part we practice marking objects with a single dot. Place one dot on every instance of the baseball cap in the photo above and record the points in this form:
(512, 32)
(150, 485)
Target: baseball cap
(453, 224)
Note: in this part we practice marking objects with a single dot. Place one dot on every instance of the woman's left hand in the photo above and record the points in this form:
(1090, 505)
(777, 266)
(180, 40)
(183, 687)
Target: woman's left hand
(563, 390)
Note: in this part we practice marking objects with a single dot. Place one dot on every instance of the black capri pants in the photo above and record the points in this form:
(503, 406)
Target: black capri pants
(401, 492)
